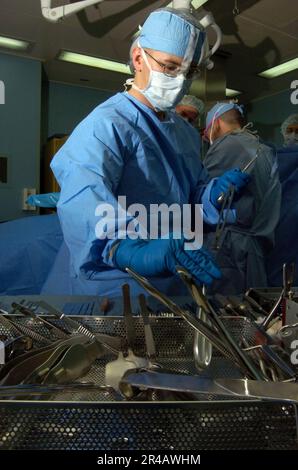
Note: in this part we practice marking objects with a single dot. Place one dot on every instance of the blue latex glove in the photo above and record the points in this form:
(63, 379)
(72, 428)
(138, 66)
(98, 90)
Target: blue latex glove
(43, 200)
(160, 257)
(231, 177)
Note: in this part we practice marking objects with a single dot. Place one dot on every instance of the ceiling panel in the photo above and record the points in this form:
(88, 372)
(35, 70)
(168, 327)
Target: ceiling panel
(264, 33)
(273, 13)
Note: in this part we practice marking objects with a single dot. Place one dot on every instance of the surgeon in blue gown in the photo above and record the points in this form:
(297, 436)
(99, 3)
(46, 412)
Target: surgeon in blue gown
(286, 246)
(134, 145)
(246, 241)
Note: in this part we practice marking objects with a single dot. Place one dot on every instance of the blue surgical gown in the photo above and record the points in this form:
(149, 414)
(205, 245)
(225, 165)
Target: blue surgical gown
(121, 149)
(245, 243)
(28, 248)
(286, 246)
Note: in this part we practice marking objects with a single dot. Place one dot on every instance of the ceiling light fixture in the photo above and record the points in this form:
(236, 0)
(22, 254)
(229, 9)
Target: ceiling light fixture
(230, 93)
(97, 62)
(11, 43)
(280, 69)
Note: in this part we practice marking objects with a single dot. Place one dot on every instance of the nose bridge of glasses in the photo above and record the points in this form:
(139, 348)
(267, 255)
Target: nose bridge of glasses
(169, 69)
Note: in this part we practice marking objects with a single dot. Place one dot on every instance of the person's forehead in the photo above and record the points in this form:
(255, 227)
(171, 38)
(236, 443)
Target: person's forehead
(165, 56)
(187, 109)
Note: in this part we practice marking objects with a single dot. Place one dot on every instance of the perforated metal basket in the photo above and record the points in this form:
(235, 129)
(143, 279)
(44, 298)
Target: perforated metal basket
(97, 421)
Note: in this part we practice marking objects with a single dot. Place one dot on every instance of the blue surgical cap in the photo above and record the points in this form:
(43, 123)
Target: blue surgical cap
(194, 102)
(170, 32)
(219, 109)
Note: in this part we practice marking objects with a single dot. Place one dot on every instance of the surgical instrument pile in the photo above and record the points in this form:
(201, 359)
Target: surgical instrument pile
(213, 353)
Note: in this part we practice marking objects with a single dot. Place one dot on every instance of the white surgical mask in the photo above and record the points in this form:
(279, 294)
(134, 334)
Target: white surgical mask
(164, 92)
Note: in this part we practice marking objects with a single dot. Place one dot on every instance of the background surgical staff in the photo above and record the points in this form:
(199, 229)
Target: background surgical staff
(246, 241)
(191, 109)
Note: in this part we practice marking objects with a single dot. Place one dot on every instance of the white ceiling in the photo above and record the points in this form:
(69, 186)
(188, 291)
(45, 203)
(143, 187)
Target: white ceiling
(264, 34)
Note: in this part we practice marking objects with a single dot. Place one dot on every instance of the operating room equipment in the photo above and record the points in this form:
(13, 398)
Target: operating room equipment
(149, 340)
(74, 363)
(204, 303)
(14, 347)
(222, 337)
(237, 307)
(10, 324)
(267, 349)
(206, 19)
(62, 12)
(209, 332)
(76, 328)
(28, 312)
(25, 390)
(227, 387)
(115, 370)
(226, 201)
(31, 419)
(255, 305)
(289, 335)
(236, 10)
(36, 362)
(286, 293)
(8, 370)
(202, 347)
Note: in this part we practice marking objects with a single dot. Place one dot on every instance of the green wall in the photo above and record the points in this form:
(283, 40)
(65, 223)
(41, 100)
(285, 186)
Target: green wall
(68, 105)
(268, 113)
(34, 110)
(19, 131)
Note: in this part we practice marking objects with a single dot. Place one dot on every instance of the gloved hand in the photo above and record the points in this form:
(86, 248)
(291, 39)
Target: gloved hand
(159, 257)
(231, 177)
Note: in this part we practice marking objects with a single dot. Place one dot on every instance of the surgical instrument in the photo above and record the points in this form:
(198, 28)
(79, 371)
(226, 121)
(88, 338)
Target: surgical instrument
(223, 387)
(29, 313)
(202, 348)
(75, 327)
(41, 390)
(198, 325)
(222, 196)
(202, 301)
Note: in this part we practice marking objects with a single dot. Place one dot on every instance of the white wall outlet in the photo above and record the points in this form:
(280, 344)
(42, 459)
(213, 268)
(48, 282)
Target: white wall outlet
(26, 193)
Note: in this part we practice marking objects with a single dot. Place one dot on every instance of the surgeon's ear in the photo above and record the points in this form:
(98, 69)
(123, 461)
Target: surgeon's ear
(137, 59)
(216, 127)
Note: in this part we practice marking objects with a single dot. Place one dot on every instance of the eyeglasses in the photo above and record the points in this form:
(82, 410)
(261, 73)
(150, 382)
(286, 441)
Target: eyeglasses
(292, 128)
(172, 70)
